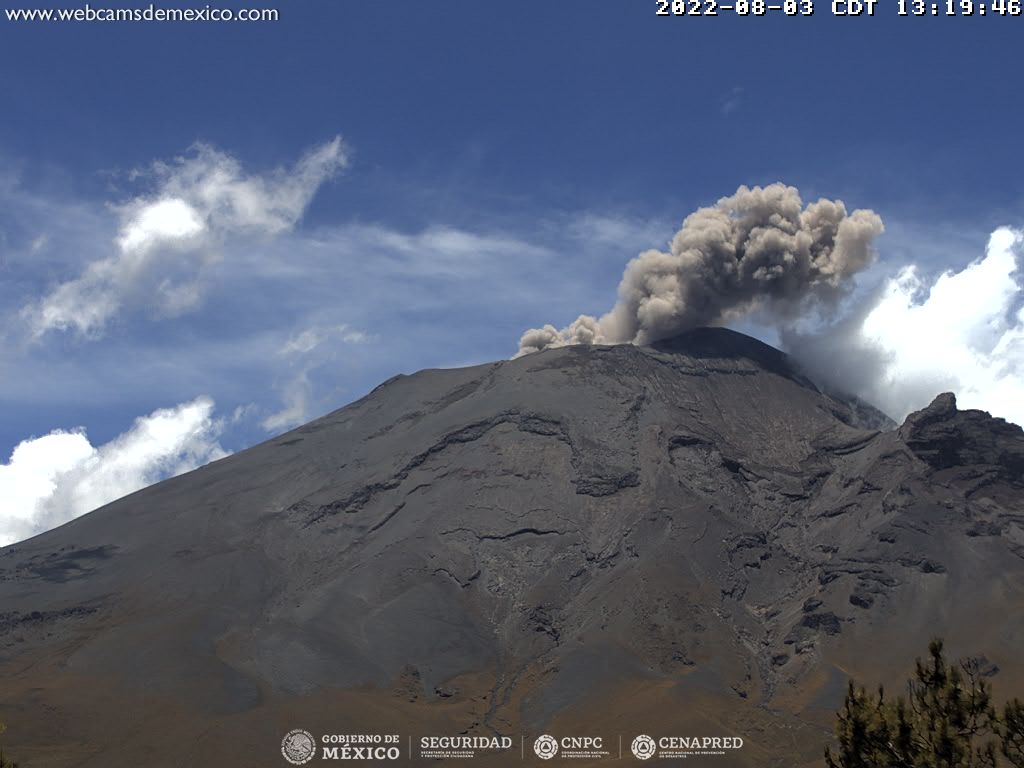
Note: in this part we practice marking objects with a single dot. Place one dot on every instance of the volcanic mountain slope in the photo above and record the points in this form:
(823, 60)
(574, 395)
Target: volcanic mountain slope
(684, 539)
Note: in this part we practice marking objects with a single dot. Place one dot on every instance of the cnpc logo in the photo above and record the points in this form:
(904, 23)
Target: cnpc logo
(547, 747)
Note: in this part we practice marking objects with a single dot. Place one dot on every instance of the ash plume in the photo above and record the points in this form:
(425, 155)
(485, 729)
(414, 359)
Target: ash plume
(760, 247)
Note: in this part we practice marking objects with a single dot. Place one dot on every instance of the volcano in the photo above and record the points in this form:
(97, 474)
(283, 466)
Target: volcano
(687, 539)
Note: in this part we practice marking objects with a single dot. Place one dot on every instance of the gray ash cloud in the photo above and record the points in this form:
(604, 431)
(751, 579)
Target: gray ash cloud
(758, 248)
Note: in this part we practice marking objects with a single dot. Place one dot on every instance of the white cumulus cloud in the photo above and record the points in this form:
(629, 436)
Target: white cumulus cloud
(55, 478)
(168, 238)
(962, 332)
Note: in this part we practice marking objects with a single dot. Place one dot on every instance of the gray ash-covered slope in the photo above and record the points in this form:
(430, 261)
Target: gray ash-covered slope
(684, 538)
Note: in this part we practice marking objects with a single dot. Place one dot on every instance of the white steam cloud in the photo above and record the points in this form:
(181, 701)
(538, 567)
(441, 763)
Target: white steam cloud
(168, 238)
(55, 478)
(760, 247)
(963, 333)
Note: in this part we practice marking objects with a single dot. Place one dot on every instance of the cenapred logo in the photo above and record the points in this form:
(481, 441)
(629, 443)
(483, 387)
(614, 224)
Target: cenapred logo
(643, 747)
(680, 747)
(298, 746)
(546, 747)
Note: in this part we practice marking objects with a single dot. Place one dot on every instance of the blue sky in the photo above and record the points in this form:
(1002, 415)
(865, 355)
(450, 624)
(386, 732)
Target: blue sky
(500, 165)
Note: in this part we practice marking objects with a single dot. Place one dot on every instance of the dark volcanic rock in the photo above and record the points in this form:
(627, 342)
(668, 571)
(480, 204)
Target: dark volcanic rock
(944, 437)
(825, 622)
(688, 538)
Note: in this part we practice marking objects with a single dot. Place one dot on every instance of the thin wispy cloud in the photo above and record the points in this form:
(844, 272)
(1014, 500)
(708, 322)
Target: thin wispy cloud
(308, 340)
(170, 236)
(731, 101)
(304, 353)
